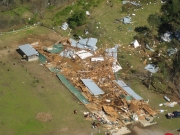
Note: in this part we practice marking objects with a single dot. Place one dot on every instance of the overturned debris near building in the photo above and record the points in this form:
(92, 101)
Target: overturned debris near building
(89, 73)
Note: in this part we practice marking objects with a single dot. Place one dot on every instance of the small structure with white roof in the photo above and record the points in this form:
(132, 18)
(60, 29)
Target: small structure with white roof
(28, 52)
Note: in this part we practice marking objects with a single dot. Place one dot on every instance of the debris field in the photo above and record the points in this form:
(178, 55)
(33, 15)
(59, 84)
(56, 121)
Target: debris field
(113, 103)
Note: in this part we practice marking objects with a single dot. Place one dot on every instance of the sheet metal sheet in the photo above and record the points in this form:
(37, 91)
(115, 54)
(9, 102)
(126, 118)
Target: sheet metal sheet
(128, 89)
(152, 68)
(92, 87)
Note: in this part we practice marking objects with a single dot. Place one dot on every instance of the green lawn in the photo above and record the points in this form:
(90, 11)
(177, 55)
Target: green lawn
(22, 97)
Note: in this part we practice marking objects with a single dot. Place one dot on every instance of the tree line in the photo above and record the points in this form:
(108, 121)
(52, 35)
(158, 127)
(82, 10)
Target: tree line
(168, 20)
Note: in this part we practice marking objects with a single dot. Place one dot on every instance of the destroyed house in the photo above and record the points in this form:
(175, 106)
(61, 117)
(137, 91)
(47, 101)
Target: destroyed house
(28, 52)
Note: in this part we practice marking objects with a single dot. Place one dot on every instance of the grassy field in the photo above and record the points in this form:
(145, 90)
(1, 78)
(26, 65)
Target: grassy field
(28, 89)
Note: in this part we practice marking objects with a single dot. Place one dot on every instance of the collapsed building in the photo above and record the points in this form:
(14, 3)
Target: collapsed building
(90, 74)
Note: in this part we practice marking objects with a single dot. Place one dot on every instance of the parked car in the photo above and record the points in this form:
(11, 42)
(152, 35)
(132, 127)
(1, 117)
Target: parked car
(174, 114)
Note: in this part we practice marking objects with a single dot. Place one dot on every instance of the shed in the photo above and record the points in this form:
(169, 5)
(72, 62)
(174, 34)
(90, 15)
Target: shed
(28, 52)
(92, 87)
(128, 89)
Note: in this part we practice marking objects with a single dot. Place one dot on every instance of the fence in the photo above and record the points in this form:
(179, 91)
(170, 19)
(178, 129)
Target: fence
(15, 31)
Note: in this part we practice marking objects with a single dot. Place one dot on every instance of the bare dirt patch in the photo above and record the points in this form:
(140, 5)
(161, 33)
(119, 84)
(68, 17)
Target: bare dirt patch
(44, 117)
(45, 40)
(138, 130)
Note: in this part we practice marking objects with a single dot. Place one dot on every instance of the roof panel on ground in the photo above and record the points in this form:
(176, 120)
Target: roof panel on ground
(28, 50)
(73, 42)
(84, 54)
(112, 52)
(92, 42)
(128, 89)
(80, 46)
(92, 87)
(152, 68)
(83, 41)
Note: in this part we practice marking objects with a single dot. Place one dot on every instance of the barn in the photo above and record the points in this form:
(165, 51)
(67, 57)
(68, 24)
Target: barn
(28, 52)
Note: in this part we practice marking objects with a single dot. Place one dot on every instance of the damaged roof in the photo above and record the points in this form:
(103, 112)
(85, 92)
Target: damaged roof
(86, 43)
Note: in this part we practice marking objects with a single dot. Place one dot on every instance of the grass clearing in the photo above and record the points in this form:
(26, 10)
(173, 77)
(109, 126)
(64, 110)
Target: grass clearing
(29, 88)
(106, 15)
(21, 101)
(14, 39)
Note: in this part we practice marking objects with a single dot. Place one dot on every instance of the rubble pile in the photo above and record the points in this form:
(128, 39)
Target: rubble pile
(115, 107)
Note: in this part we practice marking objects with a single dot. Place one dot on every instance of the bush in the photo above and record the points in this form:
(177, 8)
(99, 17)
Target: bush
(32, 20)
(78, 18)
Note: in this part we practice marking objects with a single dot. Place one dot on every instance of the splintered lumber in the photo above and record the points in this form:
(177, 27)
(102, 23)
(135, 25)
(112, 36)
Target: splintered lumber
(111, 111)
(134, 107)
(149, 110)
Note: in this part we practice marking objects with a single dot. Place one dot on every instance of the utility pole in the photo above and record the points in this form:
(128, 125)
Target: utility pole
(149, 77)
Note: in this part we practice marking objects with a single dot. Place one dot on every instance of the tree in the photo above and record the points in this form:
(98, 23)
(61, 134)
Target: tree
(171, 13)
(154, 20)
(78, 18)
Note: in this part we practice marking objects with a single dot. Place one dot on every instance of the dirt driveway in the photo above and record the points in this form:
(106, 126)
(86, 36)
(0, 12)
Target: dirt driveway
(153, 130)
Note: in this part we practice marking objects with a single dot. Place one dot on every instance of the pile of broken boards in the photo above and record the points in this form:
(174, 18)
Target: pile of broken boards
(92, 71)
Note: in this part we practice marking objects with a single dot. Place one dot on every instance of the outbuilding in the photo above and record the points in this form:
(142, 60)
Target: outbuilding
(28, 52)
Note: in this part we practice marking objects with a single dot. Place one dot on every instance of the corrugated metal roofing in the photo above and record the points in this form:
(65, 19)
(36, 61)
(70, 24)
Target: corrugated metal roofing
(93, 88)
(80, 46)
(127, 19)
(87, 43)
(73, 42)
(128, 89)
(112, 52)
(28, 50)
(152, 68)
(84, 54)
(83, 41)
(92, 42)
